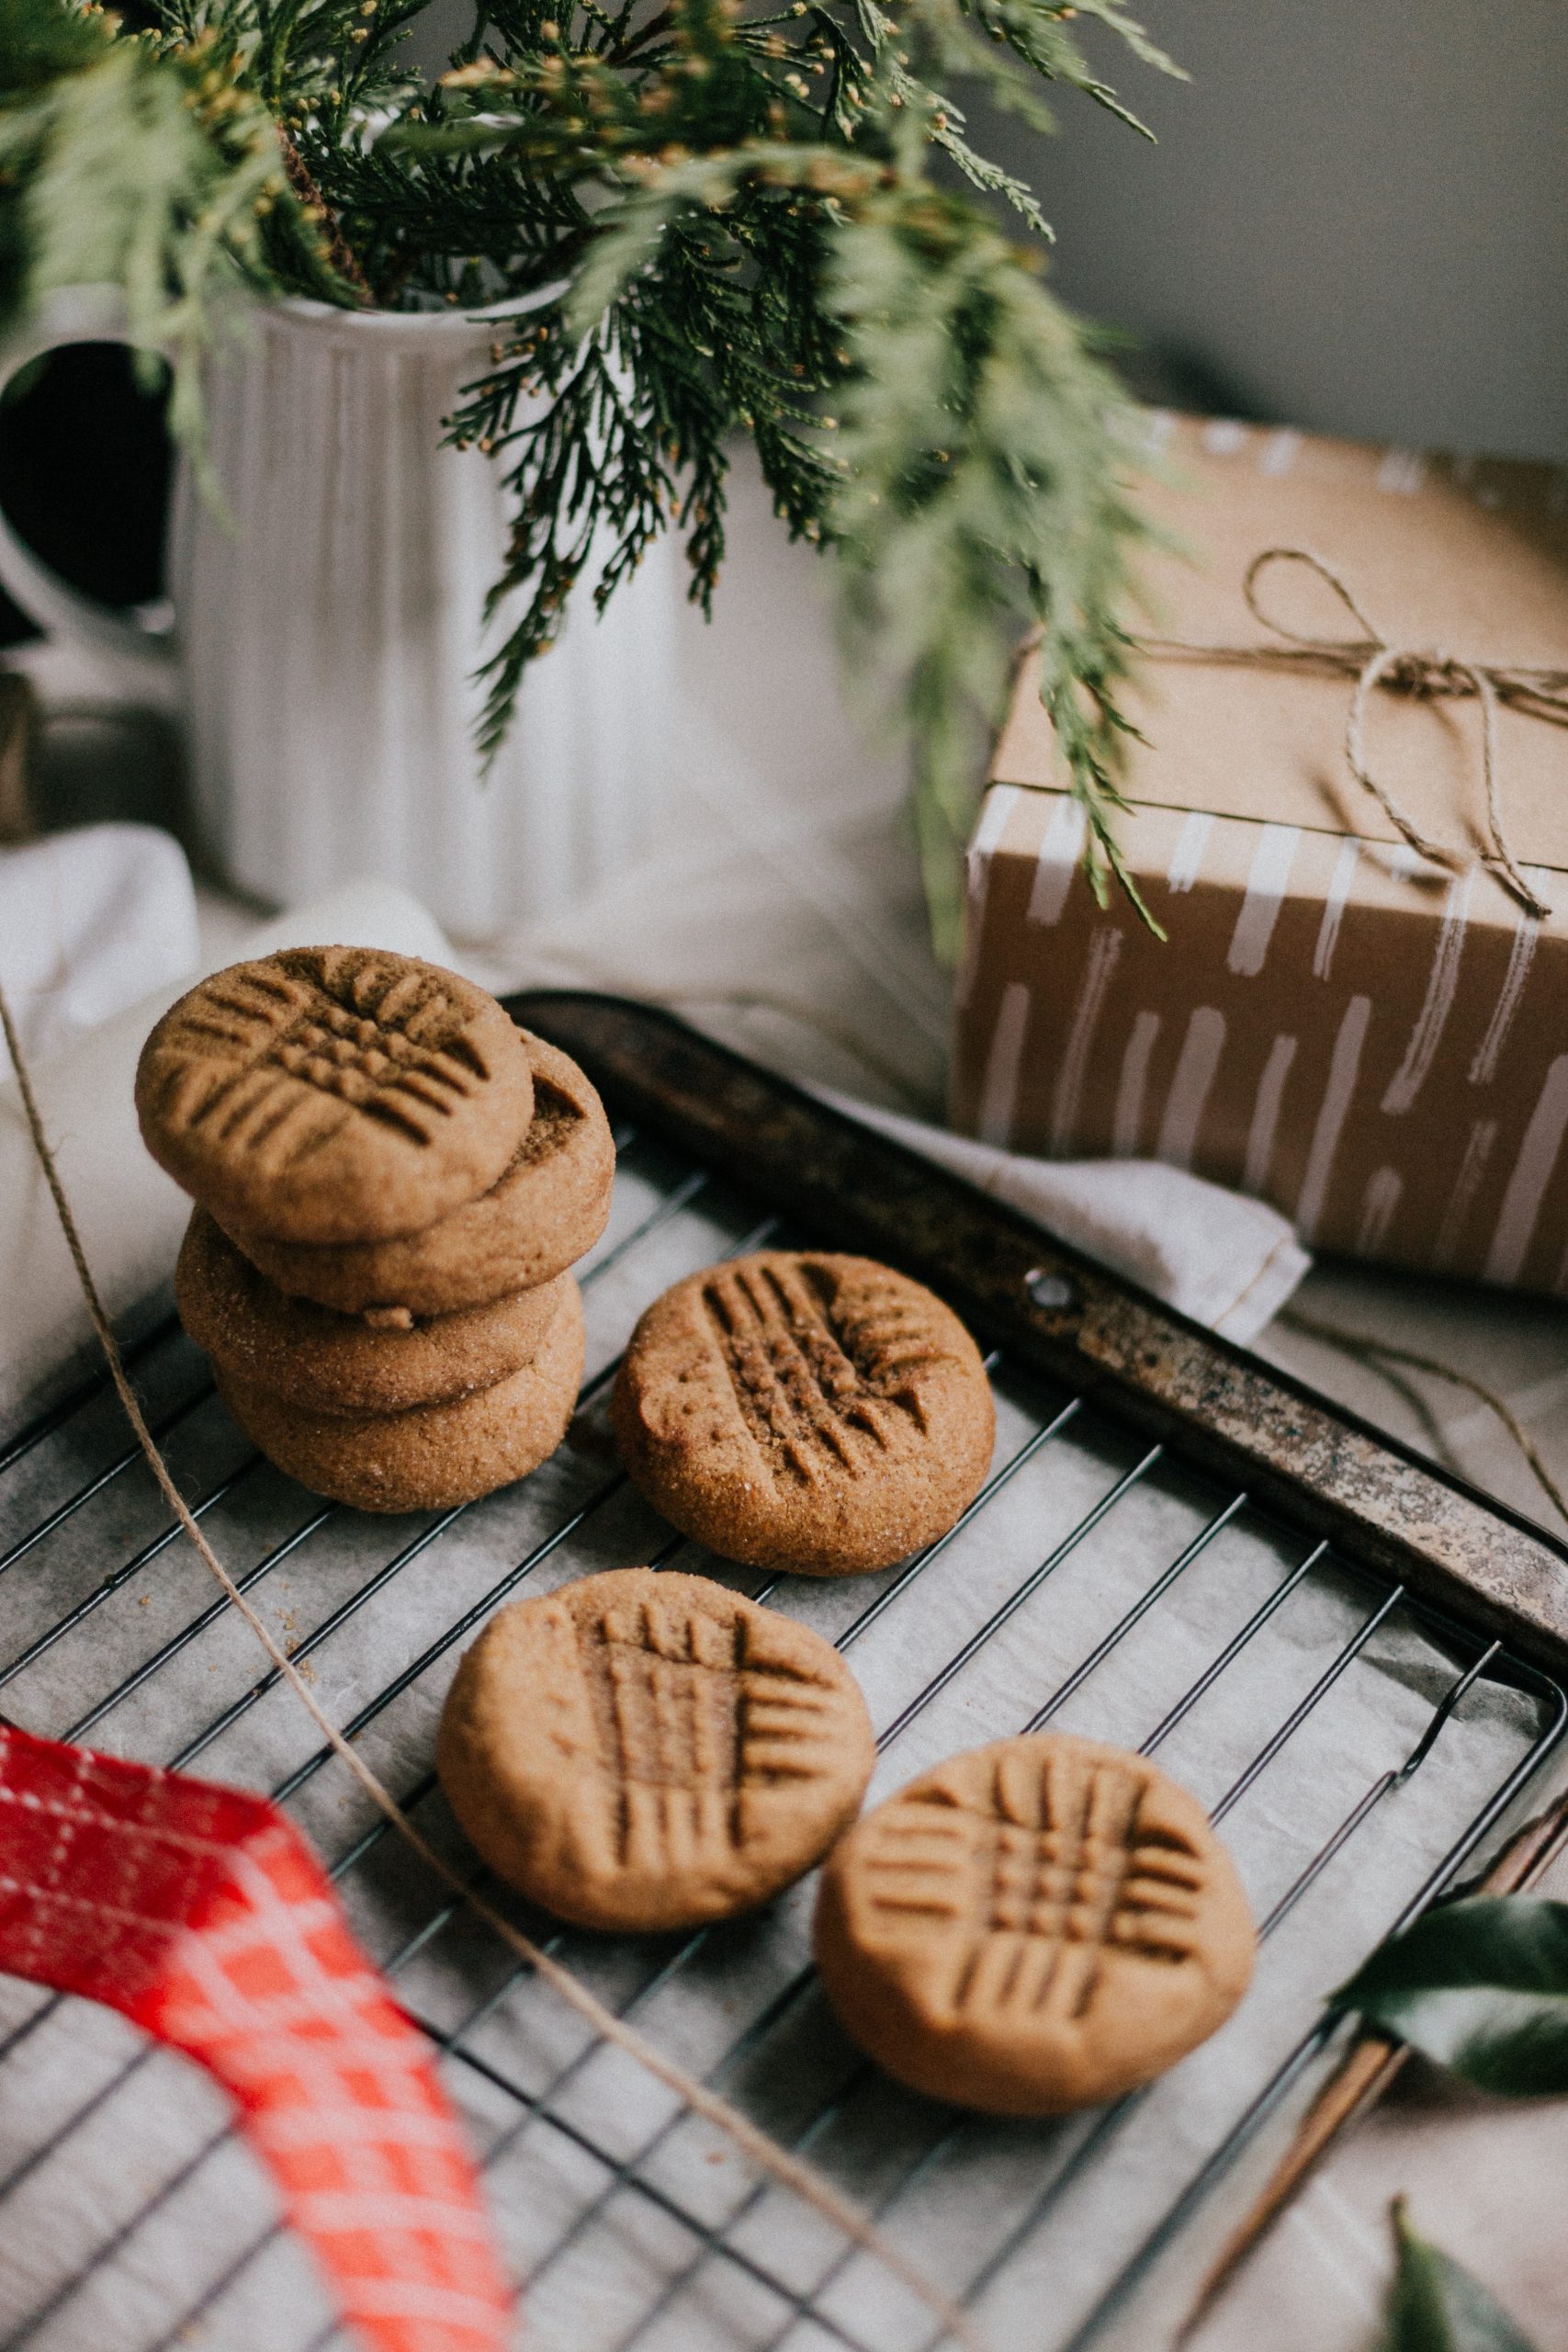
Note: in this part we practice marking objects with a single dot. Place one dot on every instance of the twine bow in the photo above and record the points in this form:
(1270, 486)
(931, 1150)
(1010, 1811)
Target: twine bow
(1371, 662)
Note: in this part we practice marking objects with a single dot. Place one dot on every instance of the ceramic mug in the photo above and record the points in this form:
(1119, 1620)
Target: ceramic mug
(325, 635)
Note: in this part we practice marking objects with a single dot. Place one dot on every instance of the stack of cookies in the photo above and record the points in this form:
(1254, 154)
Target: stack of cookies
(392, 1180)
(1038, 1925)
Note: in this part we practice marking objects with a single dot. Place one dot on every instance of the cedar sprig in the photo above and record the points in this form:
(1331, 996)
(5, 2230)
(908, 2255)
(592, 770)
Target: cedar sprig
(974, 477)
(694, 218)
(985, 493)
(142, 162)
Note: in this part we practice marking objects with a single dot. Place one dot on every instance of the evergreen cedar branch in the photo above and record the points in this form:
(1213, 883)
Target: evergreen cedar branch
(724, 213)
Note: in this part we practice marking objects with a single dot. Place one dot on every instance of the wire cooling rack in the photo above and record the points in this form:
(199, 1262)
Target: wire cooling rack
(1346, 1655)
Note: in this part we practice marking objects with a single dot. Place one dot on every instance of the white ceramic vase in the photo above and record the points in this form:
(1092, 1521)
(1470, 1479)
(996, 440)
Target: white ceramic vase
(326, 635)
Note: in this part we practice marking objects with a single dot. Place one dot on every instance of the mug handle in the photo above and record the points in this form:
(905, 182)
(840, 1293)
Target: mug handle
(135, 655)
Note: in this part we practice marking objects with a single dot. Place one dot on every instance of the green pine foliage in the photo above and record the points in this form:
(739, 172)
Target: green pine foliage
(693, 219)
(143, 163)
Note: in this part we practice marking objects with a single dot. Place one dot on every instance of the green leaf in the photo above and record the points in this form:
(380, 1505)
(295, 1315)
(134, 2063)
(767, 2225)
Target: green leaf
(1435, 2305)
(1481, 1987)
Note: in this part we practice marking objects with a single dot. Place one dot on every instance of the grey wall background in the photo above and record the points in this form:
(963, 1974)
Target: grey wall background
(1356, 220)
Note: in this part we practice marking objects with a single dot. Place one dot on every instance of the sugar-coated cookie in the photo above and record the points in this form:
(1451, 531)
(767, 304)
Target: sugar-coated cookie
(330, 1095)
(435, 1455)
(547, 1208)
(642, 1750)
(1038, 1925)
(805, 1412)
(312, 1356)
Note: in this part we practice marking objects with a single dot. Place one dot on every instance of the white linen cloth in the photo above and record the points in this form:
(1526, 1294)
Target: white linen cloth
(130, 1214)
(90, 922)
(1225, 1261)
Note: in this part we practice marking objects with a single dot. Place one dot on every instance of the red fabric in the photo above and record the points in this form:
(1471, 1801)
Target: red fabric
(200, 1912)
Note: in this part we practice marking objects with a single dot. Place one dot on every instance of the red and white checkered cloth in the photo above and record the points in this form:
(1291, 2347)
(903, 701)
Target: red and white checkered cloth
(200, 1912)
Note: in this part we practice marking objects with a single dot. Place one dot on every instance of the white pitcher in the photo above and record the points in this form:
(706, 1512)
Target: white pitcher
(324, 639)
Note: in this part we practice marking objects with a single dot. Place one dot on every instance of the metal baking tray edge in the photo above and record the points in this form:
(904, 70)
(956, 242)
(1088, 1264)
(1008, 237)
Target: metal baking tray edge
(1329, 1473)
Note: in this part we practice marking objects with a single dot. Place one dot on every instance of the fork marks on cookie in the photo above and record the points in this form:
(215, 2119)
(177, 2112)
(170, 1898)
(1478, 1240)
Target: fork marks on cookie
(689, 1720)
(820, 1389)
(287, 1050)
(1053, 1870)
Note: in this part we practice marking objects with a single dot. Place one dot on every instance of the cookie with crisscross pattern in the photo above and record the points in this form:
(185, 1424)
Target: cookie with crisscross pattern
(1037, 1925)
(549, 1207)
(644, 1750)
(805, 1411)
(333, 1093)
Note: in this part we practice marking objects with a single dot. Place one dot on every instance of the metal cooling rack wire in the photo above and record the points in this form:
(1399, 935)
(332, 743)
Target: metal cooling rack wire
(452, 2041)
(75, 1400)
(105, 1478)
(111, 1583)
(1103, 2127)
(797, 1988)
(1278, 2085)
(952, 2137)
(708, 2238)
(792, 1992)
(1316, 2040)
(1113, 2118)
(666, 1208)
(537, 2105)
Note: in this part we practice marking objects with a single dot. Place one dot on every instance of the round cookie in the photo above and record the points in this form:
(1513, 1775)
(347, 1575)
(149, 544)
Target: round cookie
(333, 1093)
(644, 1751)
(311, 1356)
(436, 1455)
(1038, 1925)
(547, 1208)
(803, 1412)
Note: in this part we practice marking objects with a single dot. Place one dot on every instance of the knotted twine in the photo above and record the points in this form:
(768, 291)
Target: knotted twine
(1370, 660)
(803, 2179)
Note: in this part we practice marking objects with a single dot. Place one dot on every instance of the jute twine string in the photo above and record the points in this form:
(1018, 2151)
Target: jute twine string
(1370, 660)
(1378, 1352)
(801, 2178)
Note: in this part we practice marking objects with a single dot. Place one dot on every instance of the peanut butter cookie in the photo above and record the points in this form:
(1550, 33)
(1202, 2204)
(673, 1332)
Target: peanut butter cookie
(548, 1207)
(1038, 1925)
(435, 1455)
(312, 1356)
(333, 1093)
(816, 1414)
(645, 1752)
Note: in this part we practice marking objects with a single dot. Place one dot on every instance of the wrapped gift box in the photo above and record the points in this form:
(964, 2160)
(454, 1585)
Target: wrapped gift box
(1375, 1041)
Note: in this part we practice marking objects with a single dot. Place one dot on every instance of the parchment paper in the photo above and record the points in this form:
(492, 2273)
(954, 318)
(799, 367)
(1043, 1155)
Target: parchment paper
(142, 2131)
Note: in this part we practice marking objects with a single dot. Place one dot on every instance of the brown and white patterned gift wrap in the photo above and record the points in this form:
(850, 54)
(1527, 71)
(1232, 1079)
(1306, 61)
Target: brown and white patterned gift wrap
(1375, 1042)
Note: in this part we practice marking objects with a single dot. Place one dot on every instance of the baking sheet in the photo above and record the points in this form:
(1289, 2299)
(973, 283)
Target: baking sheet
(615, 2260)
